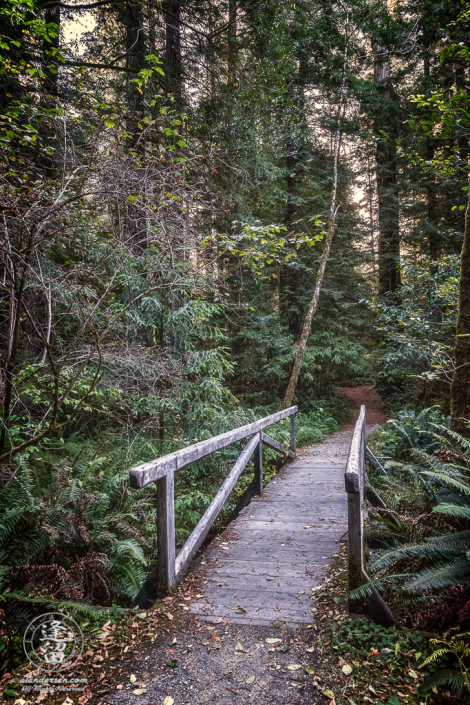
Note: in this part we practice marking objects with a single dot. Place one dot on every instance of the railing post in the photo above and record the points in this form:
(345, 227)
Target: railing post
(292, 433)
(258, 458)
(166, 533)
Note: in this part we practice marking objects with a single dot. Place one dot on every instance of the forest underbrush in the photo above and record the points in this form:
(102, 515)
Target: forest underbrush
(420, 560)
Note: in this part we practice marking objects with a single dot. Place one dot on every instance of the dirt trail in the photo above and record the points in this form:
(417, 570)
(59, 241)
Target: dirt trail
(369, 397)
(224, 662)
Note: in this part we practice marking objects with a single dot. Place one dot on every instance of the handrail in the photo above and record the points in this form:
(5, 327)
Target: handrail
(170, 569)
(354, 482)
(152, 471)
(355, 479)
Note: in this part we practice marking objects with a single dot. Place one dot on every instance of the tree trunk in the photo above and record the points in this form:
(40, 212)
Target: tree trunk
(386, 176)
(135, 60)
(431, 186)
(52, 16)
(460, 387)
(232, 39)
(173, 45)
(288, 276)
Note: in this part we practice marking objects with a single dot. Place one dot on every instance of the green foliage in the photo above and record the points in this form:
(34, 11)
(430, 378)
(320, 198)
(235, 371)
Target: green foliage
(73, 529)
(410, 430)
(430, 497)
(312, 427)
(457, 646)
(418, 332)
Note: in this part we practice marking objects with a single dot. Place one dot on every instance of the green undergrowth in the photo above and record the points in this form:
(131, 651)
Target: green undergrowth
(396, 653)
(319, 418)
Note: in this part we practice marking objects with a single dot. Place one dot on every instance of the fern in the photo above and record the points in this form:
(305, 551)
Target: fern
(75, 530)
(458, 646)
(430, 498)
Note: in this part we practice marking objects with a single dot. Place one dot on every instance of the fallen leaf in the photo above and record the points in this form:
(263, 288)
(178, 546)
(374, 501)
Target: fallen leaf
(142, 615)
(10, 692)
(310, 670)
(20, 701)
(132, 678)
(310, 650)
(238, 647)
(170, 616)
(67, 701)
(168, 700)
(329, 694)
(347, 669)
(273, 640)
(413, 674)
(119, 687)
(277, 624)
(167, 599)
(174, 641)
(372, 690)
(294, 666)
(250, 680)
(172, 662)
(139, 691)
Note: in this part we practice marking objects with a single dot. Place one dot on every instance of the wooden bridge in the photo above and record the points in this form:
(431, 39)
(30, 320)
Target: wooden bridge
(264, 566)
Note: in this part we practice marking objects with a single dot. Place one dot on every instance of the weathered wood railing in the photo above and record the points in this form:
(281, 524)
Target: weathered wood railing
(170, 569)
(355, 478)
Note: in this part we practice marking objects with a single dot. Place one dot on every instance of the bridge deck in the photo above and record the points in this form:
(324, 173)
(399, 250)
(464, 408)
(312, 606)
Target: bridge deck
(264, 566)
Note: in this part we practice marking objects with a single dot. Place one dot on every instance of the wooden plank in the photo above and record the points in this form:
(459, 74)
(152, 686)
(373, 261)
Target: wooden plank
(149, 472)
(269, 583)
(166, 534)
(265, 567)
(268, 441)
(200, 531)
(272, 443)
(295, 616)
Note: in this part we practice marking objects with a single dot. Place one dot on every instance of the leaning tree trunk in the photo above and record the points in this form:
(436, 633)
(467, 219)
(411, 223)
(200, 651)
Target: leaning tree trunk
(330, 231)
(460, 387)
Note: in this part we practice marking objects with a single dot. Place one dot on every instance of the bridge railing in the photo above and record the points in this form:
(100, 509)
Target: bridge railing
(358, 490)
(170, 568)
(354, 478)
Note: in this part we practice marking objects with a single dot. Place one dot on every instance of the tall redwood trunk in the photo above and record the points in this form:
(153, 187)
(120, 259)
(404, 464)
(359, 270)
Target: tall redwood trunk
(232, 39)
(136, 45)
(173, 68)
(386, 176)
(460, 387)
